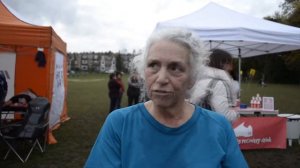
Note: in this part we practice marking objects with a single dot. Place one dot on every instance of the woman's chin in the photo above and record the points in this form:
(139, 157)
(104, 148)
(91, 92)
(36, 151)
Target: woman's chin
(165, 103)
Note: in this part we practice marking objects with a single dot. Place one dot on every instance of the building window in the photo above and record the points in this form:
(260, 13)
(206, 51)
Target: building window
(84, 61)
(84, 67)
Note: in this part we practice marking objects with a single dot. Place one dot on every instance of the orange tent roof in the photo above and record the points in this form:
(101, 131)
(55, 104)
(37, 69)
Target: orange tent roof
(14, 31)
(6, 17)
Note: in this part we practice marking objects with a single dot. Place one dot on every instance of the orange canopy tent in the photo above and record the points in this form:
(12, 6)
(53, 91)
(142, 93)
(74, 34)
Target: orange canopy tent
(23, 40)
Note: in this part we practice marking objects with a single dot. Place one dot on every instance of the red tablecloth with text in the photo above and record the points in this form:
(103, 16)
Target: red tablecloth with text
(261, 132)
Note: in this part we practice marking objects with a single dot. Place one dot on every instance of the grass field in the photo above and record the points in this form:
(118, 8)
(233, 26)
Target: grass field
(88, 107)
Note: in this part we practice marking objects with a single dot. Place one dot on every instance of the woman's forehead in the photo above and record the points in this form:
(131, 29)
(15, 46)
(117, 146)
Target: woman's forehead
(168, 49)
(167, 43)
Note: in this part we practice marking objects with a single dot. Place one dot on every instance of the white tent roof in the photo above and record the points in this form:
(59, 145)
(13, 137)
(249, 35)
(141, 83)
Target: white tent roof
(223, 28)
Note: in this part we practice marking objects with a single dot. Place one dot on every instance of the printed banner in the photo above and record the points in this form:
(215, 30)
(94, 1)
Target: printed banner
(261, 132)
(58, 96)
(7, 68)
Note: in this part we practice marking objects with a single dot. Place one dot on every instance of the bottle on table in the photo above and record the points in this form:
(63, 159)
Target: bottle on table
(252, 102)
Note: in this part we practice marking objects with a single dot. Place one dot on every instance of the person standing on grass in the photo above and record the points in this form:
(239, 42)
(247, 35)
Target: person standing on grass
(113, 91)
(133, 91)
(167, 130)
(122, 89)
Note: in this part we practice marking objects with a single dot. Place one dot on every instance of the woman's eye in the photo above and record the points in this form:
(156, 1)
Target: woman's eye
(176, 68)
(153, 66)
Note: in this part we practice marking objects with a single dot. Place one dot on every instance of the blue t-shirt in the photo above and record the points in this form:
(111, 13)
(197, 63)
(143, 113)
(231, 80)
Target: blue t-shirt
(132, 138)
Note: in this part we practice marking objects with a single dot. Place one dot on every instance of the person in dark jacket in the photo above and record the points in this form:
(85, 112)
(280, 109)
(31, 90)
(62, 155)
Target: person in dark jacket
(113, 91)
(119, 76)
(133, 91)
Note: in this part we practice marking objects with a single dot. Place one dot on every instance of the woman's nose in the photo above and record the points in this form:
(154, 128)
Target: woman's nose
(162, 76)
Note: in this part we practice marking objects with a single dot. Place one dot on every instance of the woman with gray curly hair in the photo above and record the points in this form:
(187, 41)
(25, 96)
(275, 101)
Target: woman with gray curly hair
(167, 130)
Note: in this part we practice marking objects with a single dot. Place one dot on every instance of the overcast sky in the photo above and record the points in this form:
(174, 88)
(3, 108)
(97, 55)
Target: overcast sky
(103, 25)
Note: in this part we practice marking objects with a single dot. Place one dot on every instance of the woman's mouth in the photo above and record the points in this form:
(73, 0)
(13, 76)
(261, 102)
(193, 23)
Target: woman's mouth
(162, 93)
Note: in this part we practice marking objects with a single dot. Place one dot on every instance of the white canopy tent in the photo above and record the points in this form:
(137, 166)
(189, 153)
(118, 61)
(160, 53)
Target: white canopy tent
(241, 35)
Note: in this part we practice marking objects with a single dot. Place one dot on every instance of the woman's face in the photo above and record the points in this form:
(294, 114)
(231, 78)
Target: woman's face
(228, 66)
(167, 73)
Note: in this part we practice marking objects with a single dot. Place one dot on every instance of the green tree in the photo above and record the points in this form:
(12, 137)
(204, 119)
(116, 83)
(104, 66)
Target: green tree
(289, 14)
(289, 9)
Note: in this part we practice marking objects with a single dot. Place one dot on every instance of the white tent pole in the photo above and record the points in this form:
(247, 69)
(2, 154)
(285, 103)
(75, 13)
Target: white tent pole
(240, 76)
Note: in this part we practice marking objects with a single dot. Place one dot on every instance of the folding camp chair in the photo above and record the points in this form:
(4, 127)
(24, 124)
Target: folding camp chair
(30, 132)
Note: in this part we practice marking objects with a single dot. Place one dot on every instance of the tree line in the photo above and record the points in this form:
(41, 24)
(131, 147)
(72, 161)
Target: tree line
(281, 67)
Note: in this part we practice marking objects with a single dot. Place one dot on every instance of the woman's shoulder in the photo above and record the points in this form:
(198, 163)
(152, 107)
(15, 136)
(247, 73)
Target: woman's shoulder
(212, 117)
(215, 73)
(202, 85)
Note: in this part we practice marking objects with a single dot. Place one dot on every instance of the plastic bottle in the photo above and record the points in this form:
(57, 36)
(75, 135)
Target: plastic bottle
(255, 103)
(258, 103)
(252, 102)
(260, 100)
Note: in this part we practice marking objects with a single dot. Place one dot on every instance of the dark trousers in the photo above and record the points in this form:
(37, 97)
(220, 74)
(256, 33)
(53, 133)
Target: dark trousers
(133, 100)
(119, 101)
(113, 103)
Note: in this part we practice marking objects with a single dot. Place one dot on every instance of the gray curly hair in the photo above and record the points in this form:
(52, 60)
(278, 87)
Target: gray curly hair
(199, 56)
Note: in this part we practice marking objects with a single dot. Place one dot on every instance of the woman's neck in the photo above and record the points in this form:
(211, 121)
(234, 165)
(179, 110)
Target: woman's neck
(171, 117)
